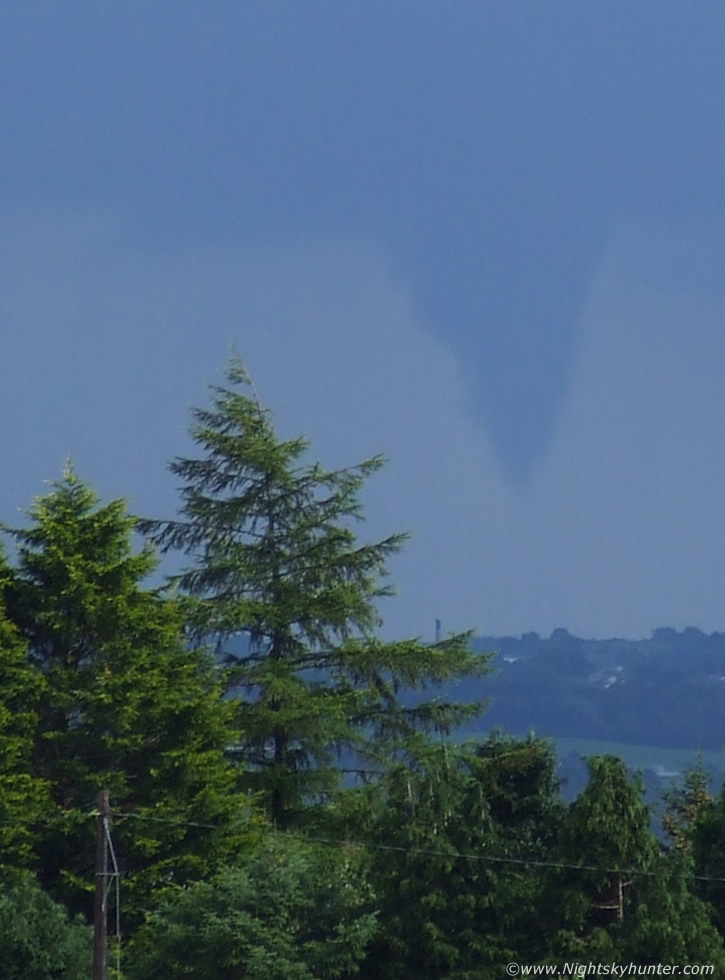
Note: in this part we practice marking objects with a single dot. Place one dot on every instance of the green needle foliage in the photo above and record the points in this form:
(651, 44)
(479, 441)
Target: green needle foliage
(607, 828)
(24, 797)
(684, 803)
(707, 838)
(632, 901)
(274, 557)
(291, 911)
(447, 861)
(37, 939)
(124, 704)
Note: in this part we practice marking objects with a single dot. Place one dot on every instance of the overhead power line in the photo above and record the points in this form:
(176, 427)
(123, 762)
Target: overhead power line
(504, 860)
(495, 859)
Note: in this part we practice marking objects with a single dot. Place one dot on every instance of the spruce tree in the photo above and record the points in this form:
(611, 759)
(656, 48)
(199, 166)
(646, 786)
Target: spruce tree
(125, 704)
(670, 923)
(274, 559)
(24, 796)
(449, 844)
(707, 837)
(607, 832)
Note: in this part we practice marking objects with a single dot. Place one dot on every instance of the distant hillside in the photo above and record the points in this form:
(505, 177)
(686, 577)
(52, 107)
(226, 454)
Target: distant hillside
(666, 691)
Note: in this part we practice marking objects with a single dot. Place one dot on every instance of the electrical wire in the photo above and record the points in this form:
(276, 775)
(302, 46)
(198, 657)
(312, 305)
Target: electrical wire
(496, 859)
(122, 815)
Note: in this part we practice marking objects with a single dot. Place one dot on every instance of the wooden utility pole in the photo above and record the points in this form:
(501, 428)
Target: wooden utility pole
(100, 908)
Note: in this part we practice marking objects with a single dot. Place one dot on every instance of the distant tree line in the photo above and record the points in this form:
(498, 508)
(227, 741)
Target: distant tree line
(297, 805)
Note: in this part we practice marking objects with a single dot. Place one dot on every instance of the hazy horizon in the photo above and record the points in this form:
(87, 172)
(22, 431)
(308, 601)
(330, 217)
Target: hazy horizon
(483, 239)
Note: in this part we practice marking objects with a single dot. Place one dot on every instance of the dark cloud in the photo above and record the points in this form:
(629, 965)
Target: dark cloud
(484, 148)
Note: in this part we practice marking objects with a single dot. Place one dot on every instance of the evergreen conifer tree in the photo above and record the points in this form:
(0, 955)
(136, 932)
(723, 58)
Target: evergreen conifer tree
(707, 839)
(124, 704)
(449, 841)
(274, 557)
(670, 923)
(607, 832)
(288, 910)
(38, 941)
(24, 796)
(683, 804)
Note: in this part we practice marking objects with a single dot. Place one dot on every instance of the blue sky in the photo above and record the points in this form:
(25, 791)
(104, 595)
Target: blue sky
(484, 238)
